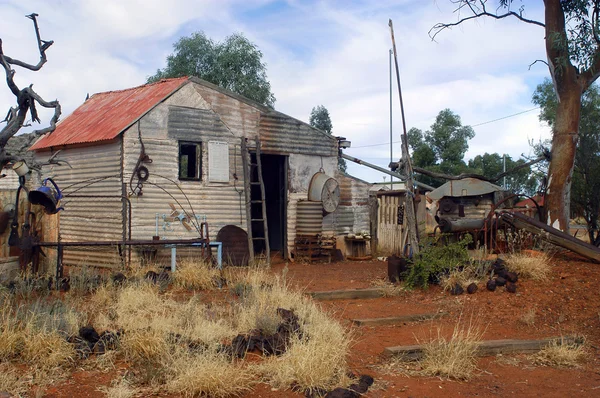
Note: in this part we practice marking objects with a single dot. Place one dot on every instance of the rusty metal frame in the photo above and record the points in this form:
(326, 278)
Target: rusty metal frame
(61, 245)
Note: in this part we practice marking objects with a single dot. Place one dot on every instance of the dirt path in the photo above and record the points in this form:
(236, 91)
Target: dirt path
(567, 304)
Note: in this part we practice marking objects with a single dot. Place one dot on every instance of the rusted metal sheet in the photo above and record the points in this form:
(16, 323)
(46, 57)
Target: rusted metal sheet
(464, 187)
(239, 116)
(96, 171)
(235, 245)
(352, 215)
(105, 115)
(280, 133)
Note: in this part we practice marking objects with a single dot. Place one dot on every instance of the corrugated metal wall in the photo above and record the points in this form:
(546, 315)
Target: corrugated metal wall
(221, 203)
(86, 219)
(280, 133)
(352, 215)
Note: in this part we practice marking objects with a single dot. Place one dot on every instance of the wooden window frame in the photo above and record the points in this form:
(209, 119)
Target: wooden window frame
(198, 145)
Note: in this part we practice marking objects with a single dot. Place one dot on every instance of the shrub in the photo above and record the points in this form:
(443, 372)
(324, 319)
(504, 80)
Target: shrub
(436, 259)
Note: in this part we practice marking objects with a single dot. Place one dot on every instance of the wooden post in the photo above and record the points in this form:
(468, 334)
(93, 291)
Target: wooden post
(409, 211)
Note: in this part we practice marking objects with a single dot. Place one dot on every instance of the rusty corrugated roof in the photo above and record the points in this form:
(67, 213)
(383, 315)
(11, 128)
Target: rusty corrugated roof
(105, 115)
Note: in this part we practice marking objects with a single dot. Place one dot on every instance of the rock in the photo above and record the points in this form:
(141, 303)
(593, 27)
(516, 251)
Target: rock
(491, 285)
(239, 346)
(89, 334)
(65, 284)
(511, 287)
(512, 277)
(119, 278)
(151, 276)
(366, 379)
(457, 290)
(472, 288)
(363, 384)
(502, 273)
(500, 281)
(342, 393)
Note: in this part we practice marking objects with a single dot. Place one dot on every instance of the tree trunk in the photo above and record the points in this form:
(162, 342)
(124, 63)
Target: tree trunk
(564, 146)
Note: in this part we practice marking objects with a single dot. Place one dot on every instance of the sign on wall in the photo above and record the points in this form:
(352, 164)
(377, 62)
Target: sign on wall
(218, 161)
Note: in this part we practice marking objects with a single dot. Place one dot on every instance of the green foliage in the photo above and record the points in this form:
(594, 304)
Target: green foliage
(492, 164)
(320, 119)
(235, 64)
(585, 190)
(443, 147)
(437, 257)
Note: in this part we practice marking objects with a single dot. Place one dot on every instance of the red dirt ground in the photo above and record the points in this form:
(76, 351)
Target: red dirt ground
(567, 304)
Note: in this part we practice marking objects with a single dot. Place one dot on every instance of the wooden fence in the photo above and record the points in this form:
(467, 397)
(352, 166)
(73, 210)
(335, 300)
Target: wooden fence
(390, 231)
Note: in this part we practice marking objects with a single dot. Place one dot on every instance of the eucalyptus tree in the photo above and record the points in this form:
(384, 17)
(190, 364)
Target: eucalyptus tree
(235, 64)
(572, 43)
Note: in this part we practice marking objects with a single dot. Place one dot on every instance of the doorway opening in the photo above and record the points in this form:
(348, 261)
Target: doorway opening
(274, 175)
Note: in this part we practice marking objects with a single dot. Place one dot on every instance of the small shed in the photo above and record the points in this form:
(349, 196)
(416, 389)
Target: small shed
(463, 205)
(158, 159)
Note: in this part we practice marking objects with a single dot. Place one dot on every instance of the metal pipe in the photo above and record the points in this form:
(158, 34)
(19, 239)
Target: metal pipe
(391, 138)
(386, 171)
(123, 243)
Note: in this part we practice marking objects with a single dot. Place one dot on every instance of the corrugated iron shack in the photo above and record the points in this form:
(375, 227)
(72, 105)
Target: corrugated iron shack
(157, 159)
(463, 205)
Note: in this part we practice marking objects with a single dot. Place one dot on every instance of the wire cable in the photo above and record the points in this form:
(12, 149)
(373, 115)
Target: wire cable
(472, 125)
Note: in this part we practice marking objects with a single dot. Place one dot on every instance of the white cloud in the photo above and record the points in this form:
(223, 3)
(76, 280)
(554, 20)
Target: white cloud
(322, 52)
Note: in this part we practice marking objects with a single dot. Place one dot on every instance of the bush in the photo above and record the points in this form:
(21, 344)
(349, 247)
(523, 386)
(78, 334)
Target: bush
(436, 258)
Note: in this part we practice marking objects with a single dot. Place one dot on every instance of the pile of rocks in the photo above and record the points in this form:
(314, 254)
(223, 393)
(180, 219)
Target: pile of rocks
(503, 277)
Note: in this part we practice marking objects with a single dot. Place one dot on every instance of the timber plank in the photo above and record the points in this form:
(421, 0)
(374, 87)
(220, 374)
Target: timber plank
(395, 320)
(348, 294)
(490, 347)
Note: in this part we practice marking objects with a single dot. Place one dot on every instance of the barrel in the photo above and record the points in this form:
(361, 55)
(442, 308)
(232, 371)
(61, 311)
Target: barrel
(309, 218)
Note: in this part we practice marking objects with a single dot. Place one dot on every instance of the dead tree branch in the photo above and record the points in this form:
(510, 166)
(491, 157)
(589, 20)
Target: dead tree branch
(477, 8)
(536, 61)
(26, 99)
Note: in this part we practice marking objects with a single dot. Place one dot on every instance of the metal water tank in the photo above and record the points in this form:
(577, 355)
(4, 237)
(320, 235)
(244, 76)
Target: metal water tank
(309, 218)
(324, 189)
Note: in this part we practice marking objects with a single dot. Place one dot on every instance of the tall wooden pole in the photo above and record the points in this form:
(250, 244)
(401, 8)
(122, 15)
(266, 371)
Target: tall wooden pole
(409, 207)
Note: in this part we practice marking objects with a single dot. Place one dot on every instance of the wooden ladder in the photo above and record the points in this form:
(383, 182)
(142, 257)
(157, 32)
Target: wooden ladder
(257, 227)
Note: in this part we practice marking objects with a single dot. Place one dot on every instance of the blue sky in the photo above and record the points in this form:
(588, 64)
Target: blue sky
(333, 53)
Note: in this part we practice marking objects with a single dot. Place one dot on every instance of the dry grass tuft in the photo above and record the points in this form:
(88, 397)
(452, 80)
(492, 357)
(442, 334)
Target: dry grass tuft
(561, 354)
(196, 274)
(12, 380)
(453, 357)
(463, 277)
(389, 289)
(120, 388)
(536, 267)
(47, 349)
(145, 346)
(209, 374)
(316, 359)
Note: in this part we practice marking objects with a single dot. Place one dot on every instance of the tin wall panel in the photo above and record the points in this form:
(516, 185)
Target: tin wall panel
(95, 170)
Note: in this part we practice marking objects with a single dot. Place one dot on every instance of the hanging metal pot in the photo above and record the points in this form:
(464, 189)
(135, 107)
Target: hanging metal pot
(48, 196)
